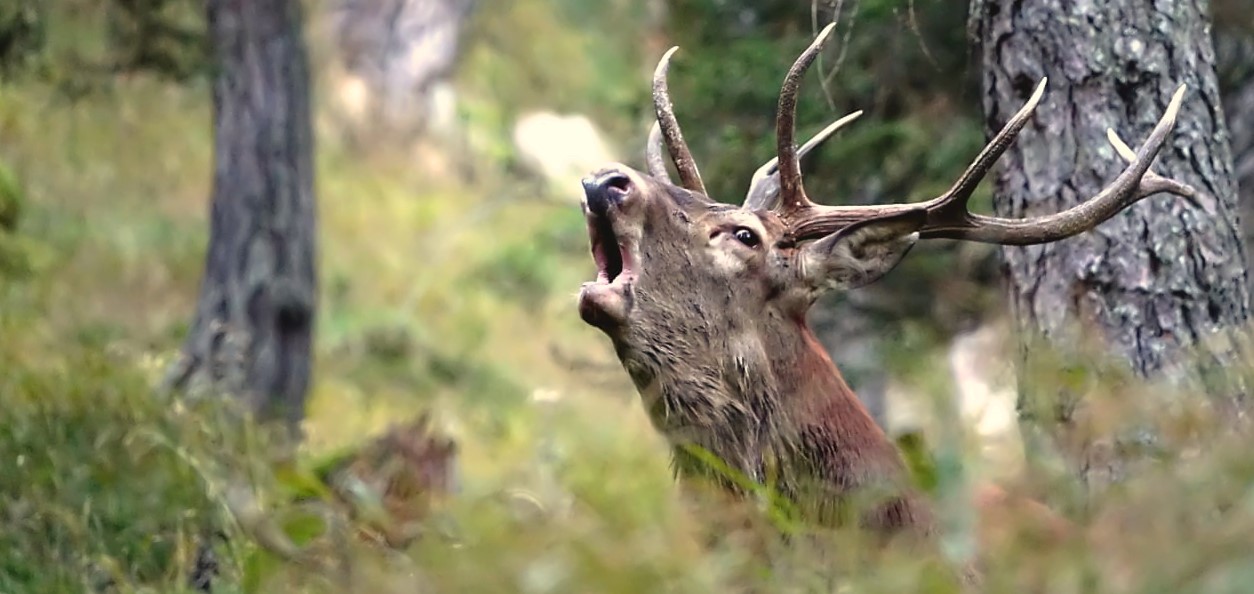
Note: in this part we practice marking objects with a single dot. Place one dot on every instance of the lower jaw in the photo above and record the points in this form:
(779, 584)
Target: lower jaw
(603, 305)
(596, 317)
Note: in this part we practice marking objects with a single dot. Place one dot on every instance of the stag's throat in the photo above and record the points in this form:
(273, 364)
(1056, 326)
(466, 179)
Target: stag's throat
(771, 403)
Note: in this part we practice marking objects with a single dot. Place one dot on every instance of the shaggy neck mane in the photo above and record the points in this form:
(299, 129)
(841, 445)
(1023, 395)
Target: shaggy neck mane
(814, 440)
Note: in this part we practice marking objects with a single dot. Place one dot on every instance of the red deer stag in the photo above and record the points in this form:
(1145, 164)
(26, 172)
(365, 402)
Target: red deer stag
(705, 302)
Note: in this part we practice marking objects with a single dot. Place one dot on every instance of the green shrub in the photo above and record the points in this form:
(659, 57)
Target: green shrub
(11, 198)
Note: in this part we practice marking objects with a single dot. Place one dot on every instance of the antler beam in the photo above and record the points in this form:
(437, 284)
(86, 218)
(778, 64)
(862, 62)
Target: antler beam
(1133, 184)
(949, 218)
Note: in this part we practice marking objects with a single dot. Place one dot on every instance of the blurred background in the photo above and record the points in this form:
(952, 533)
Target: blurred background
(450, 138)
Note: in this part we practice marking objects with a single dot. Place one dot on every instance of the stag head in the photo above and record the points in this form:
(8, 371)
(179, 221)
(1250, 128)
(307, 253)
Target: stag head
(705, 302)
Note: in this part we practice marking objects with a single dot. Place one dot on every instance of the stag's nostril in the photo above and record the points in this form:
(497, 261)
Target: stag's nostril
(605, 191)
(617, 181)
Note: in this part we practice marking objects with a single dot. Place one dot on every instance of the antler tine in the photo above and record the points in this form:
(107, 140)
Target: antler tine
(1133, 184)
(791, 190)
(961, 191)
(1151, 179)
(653, 156)
(764, 187)
(689, 176)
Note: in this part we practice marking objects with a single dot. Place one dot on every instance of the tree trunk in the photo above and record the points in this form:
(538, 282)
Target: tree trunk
(252, 333)
(402, 50)
(1154, 279)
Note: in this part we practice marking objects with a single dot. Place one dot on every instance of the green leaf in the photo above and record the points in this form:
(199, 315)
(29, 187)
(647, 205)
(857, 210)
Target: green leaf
(301, 483)
(11, 198)
(257, 566)
(921, 464)
(302, 526)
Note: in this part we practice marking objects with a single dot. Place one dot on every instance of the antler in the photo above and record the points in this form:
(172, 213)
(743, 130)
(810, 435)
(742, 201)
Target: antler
(764, 186)
(791, 191)
(653, 157)
(947, 215)
(669, 127)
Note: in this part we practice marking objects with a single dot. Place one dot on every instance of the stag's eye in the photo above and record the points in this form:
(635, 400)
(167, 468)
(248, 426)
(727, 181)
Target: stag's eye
(746, 236)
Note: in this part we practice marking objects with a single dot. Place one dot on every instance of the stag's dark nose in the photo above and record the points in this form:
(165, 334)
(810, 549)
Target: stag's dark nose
(605, 190)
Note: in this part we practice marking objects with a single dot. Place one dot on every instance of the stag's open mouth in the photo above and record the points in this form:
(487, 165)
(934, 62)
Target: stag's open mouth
(606, 301)
(612, 257)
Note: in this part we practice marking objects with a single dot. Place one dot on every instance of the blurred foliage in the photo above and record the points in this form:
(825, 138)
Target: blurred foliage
(11, 199)
(165, 37)
(577, 68)
(14, 259)
(21, 35)
(103, 484)
(903, 63)
(525, 270)
(98, 40)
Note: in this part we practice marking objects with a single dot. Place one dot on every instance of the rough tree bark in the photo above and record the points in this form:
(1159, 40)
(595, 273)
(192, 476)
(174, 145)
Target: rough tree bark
(251, 336)
(1154, 279)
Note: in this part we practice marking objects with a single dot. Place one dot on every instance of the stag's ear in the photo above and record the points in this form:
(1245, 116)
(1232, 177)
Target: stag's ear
(862, 252)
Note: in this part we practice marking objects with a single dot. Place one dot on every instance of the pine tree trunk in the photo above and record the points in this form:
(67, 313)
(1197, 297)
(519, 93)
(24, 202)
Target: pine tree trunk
(251, 337)
(402, 50)
(1154, 279)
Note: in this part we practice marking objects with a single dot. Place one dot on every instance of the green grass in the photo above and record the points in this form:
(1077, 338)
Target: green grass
(451, 296)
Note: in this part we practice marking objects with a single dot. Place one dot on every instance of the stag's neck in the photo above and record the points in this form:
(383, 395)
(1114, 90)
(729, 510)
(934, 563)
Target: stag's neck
(826, 422)
(798, 426)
